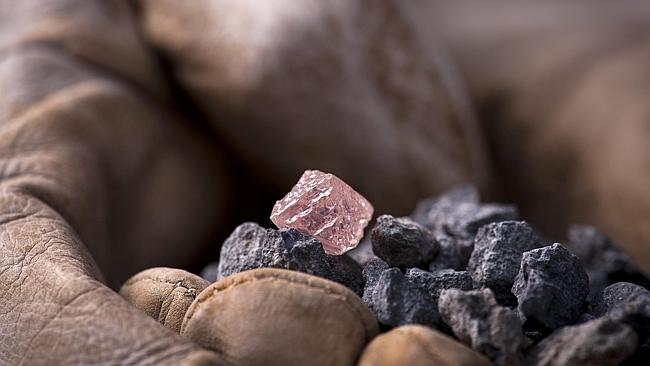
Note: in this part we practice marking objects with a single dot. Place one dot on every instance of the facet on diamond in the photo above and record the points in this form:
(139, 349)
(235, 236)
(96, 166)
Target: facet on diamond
(325, 207)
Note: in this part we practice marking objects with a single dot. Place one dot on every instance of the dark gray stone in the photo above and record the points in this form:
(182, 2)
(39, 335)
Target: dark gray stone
(434, 283)
(598, 342)
(210, 272)
(625, 302)
(459, 214)
(498, 250)
(250, 246)
(449, 255)
(616, 295)
(402, 242)
(306, 255)
(551, 287)
(604, 261)
(371, 272)
(477, 320)
(397, 301)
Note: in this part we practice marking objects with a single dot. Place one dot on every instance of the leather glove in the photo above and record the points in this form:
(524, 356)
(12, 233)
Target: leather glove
(94, 170)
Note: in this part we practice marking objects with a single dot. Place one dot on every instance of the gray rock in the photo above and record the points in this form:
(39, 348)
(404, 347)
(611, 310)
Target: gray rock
(402, 242)
(449, 255)
(371, 272)
(434, 283)
(210, 272)
(616, 295)
(250, 246)
(397, 301)
(598, 342)
(627, 303)
(604, 261)
(551, 287)
(498, 250)
(477, 320)
(459, 214)
(306, 255)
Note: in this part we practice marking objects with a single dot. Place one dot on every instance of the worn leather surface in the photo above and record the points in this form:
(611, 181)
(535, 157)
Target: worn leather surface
(349, 87)
(416, 345)
(163, 293)
(85, 157)
(280, 317)
(562, 88)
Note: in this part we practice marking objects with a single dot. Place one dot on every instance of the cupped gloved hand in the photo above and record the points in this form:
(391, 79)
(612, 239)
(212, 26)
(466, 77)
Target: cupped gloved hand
(99, 178)
(90, 163)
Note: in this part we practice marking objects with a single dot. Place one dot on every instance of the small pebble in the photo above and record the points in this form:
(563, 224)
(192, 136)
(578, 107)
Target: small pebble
(397, 301)
(250, 246)
(604, 261)
(459, 214)
(371, 272)
(434, 283)
(551, 287)
(497, 256)
(600, 342)
(402, 242)
(449, 255)
(627, 303)
(477, 320)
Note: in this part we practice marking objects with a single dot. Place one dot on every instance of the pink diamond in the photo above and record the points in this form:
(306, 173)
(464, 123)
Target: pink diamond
(325, 207)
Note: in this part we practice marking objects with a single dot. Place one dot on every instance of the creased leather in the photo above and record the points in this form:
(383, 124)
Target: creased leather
(416, 345)
(279, 317)
(81, 154)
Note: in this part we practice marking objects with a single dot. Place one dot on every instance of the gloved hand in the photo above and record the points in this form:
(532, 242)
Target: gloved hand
(91, 161)
(100, 172)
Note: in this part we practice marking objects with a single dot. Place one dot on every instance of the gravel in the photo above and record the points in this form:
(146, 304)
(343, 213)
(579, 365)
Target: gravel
(551, 287)
(477, 320)
(402, 242)
(497, 255)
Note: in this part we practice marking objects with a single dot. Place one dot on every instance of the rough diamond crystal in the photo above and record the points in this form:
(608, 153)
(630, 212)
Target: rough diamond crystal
(324, 206)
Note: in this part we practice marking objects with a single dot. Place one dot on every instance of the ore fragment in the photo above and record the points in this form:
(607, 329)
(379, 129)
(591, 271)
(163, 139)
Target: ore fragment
(251, 246)
(371, 272)
(434, 283)
(477, 320)
(603, 260)
(459, 214)
(397, 301)
(498, 250)
(324, 206)
(551, 287)
(402, 242)
(625, 302)
(598, 342)
(449, 255)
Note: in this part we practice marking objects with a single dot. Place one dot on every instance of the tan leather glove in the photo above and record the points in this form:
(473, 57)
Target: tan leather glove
(563, 89)
(91, 162)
